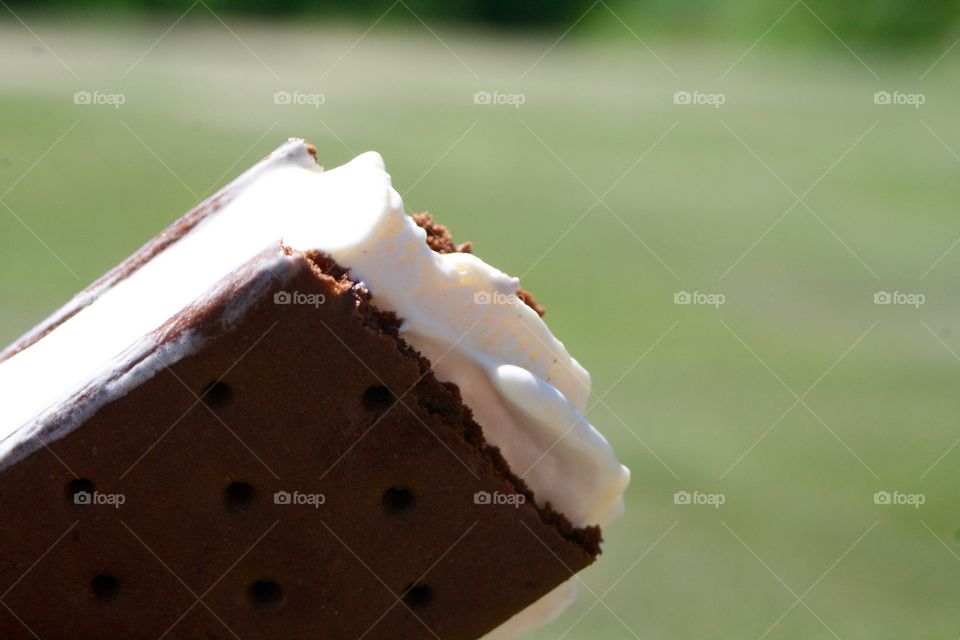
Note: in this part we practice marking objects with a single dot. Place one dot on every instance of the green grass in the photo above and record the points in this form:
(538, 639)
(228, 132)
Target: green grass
(689, 415)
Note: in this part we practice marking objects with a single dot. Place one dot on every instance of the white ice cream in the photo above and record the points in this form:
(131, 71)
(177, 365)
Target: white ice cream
(525, 390)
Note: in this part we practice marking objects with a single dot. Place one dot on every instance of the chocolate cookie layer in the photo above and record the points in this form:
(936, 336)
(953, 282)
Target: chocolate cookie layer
(299, 474)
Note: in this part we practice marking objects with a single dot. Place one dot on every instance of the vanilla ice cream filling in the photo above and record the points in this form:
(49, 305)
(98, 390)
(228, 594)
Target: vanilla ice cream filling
(527, 393)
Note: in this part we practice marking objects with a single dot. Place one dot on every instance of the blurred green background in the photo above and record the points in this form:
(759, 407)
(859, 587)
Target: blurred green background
(784, 184)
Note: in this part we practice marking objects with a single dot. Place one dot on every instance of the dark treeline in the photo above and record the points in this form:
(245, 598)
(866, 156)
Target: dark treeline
(881, 22)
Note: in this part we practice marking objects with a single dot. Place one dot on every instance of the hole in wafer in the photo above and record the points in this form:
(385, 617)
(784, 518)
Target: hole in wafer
(217, 394)
(397, 499)
(239, 495)
(377, 397)
(105, 587)
(418, 596)
(80, 492)
(265, 593)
